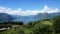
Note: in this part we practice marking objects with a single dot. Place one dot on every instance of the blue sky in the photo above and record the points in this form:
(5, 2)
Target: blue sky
(30, 4)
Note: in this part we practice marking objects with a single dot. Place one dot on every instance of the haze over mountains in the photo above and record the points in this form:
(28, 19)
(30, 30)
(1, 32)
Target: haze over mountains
(19, 15)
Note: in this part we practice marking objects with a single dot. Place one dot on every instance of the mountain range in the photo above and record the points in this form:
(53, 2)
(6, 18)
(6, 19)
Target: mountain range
(39, 16)
(4, 17)
(25, 19)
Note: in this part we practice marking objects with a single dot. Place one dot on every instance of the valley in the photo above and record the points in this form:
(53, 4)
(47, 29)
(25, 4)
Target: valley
(45, 26)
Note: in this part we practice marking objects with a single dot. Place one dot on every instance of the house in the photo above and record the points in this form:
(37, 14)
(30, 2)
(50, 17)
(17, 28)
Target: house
(15, 26)
(2, 29)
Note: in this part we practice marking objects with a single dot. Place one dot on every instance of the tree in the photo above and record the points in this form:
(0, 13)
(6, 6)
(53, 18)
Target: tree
(16, 23)
(56, 24)
(44, 29)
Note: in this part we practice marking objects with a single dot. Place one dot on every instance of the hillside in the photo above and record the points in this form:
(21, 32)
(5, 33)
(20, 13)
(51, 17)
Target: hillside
(45, 26)
(5, 17)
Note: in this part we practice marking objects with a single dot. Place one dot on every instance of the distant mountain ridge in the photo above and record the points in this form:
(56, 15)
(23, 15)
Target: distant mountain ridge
(39, 16)
(25, 19)
(5, 17)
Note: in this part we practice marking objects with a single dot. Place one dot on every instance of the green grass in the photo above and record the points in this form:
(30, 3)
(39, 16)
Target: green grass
(46, 23)
(28, 30)
(11, 31)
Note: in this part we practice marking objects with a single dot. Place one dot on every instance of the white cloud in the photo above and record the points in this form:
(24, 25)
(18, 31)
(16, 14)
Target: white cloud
(27, 12)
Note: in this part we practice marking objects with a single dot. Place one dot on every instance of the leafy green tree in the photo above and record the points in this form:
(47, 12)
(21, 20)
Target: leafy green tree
(16, 23)
(56, 24)
(43, 29)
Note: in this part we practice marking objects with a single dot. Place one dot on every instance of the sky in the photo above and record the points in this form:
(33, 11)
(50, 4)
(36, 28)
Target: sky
(29, 7)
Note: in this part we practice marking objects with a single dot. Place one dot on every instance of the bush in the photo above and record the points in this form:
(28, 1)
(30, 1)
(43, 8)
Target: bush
(56, 24)
(44, 29)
